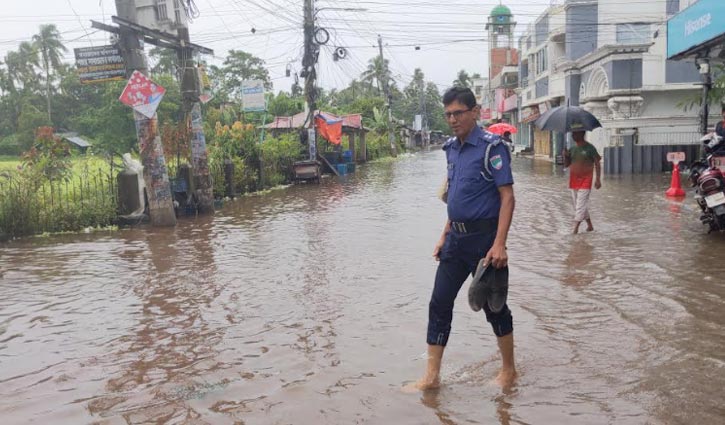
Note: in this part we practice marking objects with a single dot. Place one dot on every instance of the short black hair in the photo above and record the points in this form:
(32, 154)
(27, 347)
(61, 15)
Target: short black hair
(463, 95)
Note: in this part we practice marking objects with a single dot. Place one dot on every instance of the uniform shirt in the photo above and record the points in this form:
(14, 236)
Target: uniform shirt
(583, 159)
(473, 188)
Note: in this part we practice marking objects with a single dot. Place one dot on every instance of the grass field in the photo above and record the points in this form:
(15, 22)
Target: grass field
(9, 162)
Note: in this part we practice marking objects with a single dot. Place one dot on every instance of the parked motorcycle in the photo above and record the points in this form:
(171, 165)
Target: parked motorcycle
(707, 175)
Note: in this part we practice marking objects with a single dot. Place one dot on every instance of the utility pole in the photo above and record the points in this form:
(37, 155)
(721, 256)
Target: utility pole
(155, 173)
(423, 112)
(386, 89)
(310, 74)
(190, 90)
(704, 68)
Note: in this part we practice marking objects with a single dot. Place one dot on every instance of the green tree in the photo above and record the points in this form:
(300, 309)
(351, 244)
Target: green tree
(462, 79)
(165, 62)
(284, 105)
(48, 43)
(237, 67)
(378, 71)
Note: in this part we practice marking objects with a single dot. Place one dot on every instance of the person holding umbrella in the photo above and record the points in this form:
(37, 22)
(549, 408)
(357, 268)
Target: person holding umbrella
(505, 130)
(583, 159)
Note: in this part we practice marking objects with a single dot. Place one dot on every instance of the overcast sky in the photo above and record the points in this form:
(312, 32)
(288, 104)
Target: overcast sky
(451, 36)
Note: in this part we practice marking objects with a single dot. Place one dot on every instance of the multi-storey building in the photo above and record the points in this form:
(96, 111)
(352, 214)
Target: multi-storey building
(610, 59)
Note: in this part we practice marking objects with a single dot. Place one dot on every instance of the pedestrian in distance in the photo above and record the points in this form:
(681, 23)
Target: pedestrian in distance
(480, 202)
(582, 160)
(507, 139)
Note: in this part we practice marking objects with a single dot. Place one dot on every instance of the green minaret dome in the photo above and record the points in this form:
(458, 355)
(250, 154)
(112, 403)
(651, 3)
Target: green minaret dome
(501, 10)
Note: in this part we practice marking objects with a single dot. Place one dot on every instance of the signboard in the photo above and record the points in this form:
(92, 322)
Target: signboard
(253, 95)
(676, 157)
(99, 64)
(142, 94)
(485, 114)
(529, 113)
(511, 103)
(695, 26)
(418, 123)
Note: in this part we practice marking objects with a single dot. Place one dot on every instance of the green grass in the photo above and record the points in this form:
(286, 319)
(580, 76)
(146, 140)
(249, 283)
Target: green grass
(9, 163)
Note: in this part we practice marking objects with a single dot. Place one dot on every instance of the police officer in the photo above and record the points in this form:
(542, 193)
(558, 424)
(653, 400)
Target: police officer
(480, 202)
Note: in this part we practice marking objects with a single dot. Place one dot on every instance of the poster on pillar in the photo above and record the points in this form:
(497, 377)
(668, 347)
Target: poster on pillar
(142, 94)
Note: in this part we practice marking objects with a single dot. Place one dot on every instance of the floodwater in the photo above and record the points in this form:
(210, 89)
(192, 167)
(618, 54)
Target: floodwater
(308, 305)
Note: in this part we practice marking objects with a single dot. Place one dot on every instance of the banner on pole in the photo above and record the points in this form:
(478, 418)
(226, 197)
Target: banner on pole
(99, 64)
(142, 94)
(253, 95)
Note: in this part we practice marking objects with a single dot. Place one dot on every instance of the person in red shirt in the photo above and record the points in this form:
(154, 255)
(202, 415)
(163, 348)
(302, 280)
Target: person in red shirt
(582, 160)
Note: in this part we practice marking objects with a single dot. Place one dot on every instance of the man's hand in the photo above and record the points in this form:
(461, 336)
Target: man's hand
(598, 184)
(438, 247)
(497, 257)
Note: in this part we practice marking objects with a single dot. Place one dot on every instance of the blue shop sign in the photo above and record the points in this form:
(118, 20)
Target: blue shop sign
(694, 26)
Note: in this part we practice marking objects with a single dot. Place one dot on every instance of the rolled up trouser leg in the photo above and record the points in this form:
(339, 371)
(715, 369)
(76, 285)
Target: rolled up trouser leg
(501, 322)
(581, 204)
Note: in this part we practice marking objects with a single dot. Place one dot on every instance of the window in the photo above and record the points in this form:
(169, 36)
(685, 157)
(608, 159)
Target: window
(177, 11)
(161, 13)
(542, 60)
(635, 33)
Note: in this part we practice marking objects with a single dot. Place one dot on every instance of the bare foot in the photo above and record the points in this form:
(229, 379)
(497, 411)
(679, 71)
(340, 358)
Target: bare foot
(423, 384)
(506, 378)
(590, 229)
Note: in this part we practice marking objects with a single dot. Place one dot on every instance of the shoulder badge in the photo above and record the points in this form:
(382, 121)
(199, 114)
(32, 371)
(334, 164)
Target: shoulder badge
(448, 143)
(496, 162)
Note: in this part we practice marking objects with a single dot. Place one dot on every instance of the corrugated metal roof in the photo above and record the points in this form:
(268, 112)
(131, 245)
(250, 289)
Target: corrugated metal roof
(73, 138)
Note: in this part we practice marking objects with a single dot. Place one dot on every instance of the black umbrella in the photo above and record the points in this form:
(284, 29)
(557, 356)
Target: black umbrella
(567, 118)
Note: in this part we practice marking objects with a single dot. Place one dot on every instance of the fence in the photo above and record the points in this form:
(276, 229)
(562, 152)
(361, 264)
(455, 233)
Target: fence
(29, 206)
(630, 158)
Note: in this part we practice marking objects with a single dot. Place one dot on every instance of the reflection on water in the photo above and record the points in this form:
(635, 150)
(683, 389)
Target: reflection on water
(309, 304)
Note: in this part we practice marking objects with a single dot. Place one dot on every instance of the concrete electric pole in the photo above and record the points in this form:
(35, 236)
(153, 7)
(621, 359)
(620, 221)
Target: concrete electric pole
(310, 74)
(190, 90)
(155, 173)
(386, 89)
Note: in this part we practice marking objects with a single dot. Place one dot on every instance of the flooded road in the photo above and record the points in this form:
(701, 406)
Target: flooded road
(308, 305)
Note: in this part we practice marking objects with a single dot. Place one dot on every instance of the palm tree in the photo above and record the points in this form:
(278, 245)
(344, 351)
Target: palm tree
(48, 43)
(462, 80)
(378, 71)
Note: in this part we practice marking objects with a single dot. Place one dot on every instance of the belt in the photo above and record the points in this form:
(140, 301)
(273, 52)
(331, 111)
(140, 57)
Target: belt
(487, 225)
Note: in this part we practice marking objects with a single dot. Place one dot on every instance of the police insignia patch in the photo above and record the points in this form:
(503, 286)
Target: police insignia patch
(496, 162)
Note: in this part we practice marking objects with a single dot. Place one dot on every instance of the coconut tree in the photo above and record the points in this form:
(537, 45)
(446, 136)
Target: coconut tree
(462, 79)
(48, 44)
(379, 71)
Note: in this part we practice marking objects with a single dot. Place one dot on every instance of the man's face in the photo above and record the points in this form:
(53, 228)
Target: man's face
(578, 136)
(461, 118)
(723, 115)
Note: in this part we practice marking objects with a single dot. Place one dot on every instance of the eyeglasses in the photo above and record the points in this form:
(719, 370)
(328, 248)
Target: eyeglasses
(455, 114)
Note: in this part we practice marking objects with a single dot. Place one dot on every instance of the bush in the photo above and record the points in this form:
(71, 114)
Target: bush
(278, 155)
(10, 146)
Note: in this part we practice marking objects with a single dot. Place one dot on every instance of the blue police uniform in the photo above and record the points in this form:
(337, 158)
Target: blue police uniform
(476, 169)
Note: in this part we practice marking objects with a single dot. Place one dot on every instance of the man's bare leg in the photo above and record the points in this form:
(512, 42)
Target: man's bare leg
(576, 226)
(432, 378)
(590, 227)
(507, 375)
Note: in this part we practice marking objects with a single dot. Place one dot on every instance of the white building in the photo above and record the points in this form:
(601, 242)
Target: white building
(162, 15)
(610, 59)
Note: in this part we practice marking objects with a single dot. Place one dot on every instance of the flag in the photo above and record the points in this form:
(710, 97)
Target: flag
(330, 129)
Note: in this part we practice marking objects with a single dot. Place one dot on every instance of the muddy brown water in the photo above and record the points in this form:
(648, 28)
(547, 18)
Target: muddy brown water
(308, 305)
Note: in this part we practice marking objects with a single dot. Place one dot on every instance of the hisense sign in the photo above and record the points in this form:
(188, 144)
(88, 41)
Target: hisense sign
(695, 26)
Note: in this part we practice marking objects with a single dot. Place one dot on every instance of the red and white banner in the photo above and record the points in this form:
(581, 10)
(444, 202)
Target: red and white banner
(142, 94)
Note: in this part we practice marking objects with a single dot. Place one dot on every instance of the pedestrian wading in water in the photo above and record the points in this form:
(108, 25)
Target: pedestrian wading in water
(582, 160)
(480, 202)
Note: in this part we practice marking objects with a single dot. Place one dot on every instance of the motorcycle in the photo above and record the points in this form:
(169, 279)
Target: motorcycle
(707, 175)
